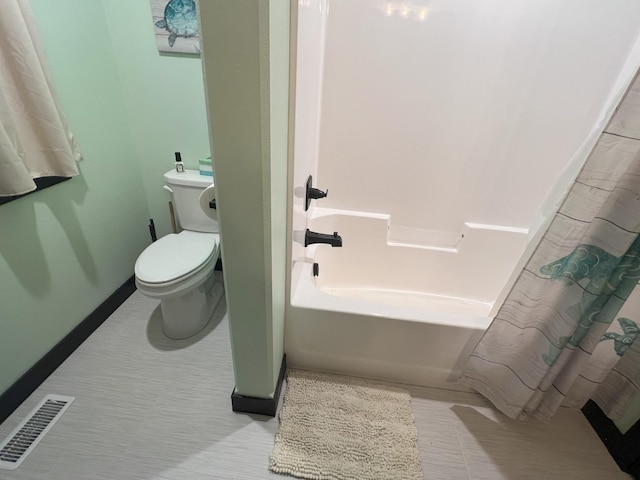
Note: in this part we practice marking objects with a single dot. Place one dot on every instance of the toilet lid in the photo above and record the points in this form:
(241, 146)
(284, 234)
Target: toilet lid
(174, 256)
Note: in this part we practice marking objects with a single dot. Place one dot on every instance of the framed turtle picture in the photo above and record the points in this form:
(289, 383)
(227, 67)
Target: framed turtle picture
(176, 25)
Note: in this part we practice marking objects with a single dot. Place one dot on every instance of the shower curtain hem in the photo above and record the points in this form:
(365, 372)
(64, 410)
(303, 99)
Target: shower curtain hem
(512, 411)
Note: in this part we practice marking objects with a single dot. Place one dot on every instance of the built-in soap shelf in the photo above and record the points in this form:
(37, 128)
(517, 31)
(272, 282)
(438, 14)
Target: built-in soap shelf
(410, 237)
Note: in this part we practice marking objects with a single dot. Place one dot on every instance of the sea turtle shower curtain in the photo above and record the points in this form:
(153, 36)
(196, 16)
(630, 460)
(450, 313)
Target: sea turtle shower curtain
(35, 140)
(567, 330)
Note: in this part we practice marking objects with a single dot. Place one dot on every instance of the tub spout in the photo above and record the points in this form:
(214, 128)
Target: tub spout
(334, 240)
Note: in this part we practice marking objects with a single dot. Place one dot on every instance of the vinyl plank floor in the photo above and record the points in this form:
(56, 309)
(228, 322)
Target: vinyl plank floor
(151, 408)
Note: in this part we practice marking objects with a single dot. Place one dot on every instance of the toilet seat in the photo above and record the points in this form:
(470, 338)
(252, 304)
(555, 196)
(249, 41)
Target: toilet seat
(176, 262)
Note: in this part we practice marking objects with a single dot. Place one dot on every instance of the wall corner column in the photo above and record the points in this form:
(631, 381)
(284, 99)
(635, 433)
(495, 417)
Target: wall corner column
(245, 54)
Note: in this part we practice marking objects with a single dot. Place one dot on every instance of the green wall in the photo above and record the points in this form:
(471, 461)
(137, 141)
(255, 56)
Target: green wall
(66, 249)
(245, 52)
(164, 98)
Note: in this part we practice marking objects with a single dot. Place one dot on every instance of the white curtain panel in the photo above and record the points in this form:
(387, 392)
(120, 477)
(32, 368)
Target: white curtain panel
(567, 330)
(35, 140)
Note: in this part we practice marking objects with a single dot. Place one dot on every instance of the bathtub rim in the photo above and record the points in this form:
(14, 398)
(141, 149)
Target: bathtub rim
(308, 296)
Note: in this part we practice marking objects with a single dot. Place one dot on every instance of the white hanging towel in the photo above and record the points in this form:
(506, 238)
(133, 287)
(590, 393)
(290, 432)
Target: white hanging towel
(35, 140)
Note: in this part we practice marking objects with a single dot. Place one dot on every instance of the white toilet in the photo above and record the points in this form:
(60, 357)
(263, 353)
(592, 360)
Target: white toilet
(179, 268)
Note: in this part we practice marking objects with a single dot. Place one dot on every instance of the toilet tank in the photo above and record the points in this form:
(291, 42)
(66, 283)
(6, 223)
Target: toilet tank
(185, 189)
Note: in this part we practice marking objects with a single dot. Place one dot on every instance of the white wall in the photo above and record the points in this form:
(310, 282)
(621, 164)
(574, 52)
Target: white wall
(440, 113)
(309, 23)
(462, 110)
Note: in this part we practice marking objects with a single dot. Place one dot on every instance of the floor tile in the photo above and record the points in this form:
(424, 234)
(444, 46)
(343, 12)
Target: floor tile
(151, 408)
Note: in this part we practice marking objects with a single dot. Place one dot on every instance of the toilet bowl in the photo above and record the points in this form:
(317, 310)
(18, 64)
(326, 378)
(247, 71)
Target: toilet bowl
(179, 268)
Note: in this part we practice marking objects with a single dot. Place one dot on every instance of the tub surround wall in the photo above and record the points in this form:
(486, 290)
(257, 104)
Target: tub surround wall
(309, 18)
(462, 276)
(245, 51)
(391, 126)
(462, 111)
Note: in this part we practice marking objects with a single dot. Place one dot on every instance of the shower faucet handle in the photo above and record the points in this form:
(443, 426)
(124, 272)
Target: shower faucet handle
(312, 193)
(315, 193)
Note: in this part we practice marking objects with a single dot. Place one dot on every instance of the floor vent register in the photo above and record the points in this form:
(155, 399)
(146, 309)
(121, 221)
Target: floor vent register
(15, 448)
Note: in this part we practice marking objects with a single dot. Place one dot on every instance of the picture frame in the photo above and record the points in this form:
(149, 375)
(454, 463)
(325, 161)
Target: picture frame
(176, 26)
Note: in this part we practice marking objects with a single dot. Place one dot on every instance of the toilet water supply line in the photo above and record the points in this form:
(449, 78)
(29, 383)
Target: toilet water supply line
(152, 230)
(172, 215)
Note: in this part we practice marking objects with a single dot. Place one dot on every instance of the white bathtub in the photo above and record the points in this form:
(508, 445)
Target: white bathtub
(398, 311)
(438, 161)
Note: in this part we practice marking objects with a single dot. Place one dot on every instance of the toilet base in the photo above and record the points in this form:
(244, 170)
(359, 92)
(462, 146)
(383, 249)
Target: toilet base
(185, 315)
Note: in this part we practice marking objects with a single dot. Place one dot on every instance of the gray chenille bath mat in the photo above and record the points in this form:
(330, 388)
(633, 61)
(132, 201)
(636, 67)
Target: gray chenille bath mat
(342, 428)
